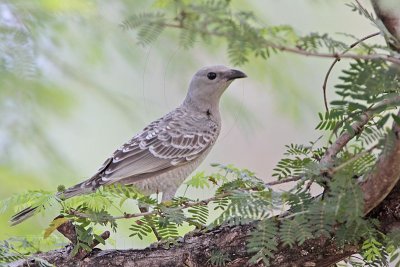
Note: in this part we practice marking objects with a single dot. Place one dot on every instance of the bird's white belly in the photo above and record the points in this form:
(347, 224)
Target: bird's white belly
(168, 182)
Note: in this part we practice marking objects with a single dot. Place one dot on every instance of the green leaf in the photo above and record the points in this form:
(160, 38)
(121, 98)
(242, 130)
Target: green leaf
(53, 226)
(396, 119)
(199, 180)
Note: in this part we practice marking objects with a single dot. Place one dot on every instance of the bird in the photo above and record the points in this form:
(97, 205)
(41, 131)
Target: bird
(161, 156)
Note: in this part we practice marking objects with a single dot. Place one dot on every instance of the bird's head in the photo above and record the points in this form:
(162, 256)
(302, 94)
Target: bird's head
(209, 83)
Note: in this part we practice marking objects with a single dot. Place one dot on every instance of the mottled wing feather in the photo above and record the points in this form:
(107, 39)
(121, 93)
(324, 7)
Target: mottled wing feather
(169, 142)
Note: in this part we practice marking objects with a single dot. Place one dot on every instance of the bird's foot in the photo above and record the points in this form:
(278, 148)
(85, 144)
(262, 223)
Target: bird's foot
(164, 243)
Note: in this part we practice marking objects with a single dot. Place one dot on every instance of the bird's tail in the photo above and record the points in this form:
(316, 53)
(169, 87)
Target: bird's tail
(23, 215)
(76, 190)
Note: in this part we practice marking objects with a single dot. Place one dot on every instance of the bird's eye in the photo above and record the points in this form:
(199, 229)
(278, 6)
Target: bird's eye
(211, 75)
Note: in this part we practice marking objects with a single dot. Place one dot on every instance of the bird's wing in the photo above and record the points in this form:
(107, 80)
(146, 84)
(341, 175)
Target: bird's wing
(169, 142)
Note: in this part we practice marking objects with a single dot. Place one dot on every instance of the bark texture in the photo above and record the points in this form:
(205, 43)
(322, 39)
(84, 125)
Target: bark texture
(196, 248)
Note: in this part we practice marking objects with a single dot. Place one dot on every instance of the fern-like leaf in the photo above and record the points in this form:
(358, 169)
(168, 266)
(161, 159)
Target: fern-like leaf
(262, 242)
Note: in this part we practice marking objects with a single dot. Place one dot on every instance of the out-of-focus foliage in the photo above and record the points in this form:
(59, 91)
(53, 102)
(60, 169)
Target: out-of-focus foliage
(241, 30)
(53, 54)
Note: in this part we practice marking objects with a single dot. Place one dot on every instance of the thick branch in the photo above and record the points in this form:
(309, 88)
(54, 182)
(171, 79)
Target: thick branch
(386, 173)
(195, 249)
(387, 170)
(345, 137)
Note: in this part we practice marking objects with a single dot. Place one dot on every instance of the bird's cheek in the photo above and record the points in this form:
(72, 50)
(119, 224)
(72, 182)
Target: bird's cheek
(226, 85)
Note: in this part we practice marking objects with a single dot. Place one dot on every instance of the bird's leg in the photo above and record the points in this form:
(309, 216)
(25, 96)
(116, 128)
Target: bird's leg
(150, 222)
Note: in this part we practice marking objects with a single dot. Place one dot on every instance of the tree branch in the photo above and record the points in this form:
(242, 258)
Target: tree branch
(386, 173)
(337, 60)
(354, 158)
(334, 55)
(196, 248)
(154, 212)
(357, 127)
(183, 206)
(299, 51)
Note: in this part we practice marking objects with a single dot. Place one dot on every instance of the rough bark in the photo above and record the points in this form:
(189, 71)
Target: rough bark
(387, 170)
(386, 173)
(196, 248)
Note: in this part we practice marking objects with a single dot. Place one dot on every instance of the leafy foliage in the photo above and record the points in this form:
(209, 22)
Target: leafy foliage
(86, 236)
(372, 249)
(366, 82)
(362, 11)
(218, 258)
(142, 227)
(298, 161)
(199, 215)
(263, 241)
(35, 198)
(294, 231)
(330, 120)
(314, 41)
(21, 249)
(244, 35)
(151, 26)
(8, 253)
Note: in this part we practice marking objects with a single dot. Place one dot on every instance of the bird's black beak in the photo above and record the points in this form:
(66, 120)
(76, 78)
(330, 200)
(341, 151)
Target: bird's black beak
(235, 74)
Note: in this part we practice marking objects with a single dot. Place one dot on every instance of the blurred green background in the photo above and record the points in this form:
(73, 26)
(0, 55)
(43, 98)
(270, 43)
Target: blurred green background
(74, 86)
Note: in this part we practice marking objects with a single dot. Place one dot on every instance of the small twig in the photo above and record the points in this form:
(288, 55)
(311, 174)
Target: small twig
(299, 51)
(326, 81)
(309, 184)
(105, 235)
(345, 137)
(144, 213)
(337, 60)
(335, 55)
(359, 4)
(150, 222)
(171, 25)
(354, 158)
(286, 180)
(184, 206)
(148, 213)
(338, 125)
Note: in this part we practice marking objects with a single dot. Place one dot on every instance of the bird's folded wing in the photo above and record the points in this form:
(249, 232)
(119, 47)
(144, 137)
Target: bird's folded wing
(157, 149)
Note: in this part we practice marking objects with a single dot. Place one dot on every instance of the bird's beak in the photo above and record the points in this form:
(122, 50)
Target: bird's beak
(235, 74)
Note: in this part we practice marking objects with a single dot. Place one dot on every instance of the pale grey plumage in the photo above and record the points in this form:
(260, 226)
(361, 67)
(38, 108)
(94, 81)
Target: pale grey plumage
(163, 154)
